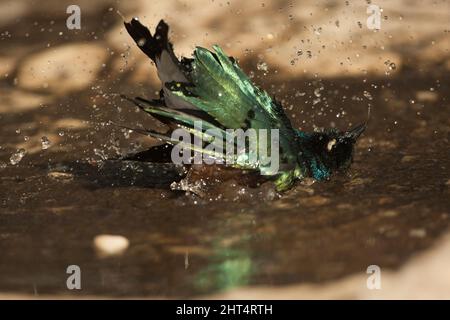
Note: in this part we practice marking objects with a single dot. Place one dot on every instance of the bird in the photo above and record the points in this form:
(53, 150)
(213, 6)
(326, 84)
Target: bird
(212, 88)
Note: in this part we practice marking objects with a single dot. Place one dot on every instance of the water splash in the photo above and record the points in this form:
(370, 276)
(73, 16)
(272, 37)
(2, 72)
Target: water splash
(262, 66)
(45, 143)
(17, 156)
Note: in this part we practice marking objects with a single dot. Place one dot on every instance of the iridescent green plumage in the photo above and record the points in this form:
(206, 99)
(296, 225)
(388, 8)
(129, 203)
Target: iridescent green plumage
(213, 89)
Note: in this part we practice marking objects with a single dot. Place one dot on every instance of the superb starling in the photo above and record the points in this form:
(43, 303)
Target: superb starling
(212, 88)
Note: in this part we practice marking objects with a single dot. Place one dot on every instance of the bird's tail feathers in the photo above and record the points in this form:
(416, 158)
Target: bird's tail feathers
(154, 45)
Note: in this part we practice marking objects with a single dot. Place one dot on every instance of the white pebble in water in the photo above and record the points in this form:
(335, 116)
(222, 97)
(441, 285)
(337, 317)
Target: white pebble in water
(17, 156)
(110, 245)
(45, 143)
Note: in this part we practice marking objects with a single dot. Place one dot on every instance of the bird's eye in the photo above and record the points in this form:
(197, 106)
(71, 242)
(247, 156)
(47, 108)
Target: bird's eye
(331, 144)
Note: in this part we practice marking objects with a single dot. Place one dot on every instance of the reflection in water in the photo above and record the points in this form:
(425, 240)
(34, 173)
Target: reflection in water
(230, 264)
(227, 269)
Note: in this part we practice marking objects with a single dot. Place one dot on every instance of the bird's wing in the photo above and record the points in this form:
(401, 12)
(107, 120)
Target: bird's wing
(210, 145)
(214, 84)
(219, 87)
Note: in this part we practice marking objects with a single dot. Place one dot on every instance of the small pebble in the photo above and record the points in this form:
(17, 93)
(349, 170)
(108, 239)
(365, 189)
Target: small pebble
(110, 245)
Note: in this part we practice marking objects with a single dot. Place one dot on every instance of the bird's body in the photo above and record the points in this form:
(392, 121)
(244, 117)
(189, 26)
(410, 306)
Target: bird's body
(212, 88)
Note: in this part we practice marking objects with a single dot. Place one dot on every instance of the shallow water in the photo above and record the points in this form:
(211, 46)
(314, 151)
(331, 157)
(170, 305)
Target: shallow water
(392, 204)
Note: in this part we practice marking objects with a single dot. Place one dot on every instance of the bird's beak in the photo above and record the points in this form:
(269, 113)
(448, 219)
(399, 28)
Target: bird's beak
(355, 132)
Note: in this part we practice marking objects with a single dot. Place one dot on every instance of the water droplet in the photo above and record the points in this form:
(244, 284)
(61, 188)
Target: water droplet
(100, 153)
(141, 42)
(368, 95)
(45, 143)
(262, 66)
(392, 66)
(317, 92)
(17, 156)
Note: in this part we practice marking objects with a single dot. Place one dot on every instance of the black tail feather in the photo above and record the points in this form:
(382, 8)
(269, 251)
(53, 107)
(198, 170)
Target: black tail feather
(152, 46)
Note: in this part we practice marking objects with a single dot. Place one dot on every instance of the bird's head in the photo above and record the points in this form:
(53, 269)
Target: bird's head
(331, 150)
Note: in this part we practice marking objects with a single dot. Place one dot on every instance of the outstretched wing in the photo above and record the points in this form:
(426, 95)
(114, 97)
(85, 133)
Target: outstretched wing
(220, 88)
(211, 87)
(195, 127)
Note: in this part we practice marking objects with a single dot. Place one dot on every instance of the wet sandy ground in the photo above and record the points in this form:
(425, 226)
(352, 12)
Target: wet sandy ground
(391, 209)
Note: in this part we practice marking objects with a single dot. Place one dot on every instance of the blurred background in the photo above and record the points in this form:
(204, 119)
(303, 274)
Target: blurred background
(59, 90)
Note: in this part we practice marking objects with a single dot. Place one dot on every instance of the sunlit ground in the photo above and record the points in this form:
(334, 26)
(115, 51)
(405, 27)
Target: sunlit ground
(59, 89)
